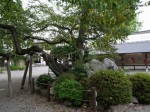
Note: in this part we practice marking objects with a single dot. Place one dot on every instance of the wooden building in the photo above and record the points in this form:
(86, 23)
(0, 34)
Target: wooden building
(134, 55)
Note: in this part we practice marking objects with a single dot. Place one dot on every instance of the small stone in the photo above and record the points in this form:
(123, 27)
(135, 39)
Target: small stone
(52, 90)
(84, 106)
(131, 104)
(67, 103)
(134, 100)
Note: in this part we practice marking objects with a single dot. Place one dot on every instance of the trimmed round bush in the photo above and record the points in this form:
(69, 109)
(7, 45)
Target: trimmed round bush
(113, 87)
(70, 90)
(42, 81)
(141, 87)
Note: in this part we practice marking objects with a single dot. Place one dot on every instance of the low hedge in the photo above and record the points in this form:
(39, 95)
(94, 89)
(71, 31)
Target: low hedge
(13, 67)
(113, 87)
(141, 87)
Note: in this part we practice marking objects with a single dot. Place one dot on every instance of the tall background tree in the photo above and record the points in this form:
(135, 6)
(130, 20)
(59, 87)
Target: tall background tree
(80, 23)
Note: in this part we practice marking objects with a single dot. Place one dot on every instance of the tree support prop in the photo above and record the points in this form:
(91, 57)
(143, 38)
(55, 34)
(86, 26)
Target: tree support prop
(25, 74)
(30, 76)
(94, 92)
(9, 77)
(48, 91)
(33, 86)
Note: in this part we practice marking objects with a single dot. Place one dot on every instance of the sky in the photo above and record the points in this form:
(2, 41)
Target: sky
(144, 17)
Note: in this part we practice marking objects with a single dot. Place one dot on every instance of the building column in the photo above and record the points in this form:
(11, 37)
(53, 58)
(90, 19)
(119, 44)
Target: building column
(122, 61)
(9, 77)
(146, 62)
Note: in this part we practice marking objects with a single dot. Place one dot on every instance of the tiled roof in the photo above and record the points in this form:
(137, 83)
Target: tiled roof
(136, 47)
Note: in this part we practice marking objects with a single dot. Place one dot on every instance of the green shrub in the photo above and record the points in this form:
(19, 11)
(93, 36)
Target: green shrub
(113, 87)
(79, 70)
(13, 67)
(85, 82)
(64, 77)
(1, 69)
(70, 90)
(141, 87)
(42, 81)
(78, 67)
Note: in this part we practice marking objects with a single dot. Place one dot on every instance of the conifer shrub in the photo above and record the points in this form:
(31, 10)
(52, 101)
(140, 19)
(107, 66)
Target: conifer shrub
(141, 87)
(79, 70)
(43, 80)
(113, 87)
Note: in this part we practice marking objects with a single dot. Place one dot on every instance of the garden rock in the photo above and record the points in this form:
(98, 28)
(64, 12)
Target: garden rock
(68, 103)
(110, 64)
(95, 65)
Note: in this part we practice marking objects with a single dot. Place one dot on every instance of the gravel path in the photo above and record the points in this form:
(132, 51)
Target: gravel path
(23, 102)
(16, 79)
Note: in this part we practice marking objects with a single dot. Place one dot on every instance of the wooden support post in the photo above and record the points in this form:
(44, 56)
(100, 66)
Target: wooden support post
(30, 75)
(146, 62)
(25, 74)
(33, 86)
(122, 61)
(94, 99)
(48, 91)
(9, 77)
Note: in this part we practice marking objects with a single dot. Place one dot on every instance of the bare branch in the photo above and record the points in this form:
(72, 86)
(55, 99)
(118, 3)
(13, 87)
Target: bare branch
(61, 27)
(41, 29)
(6, 55)
(47, 41)
(94, 37)
(55, 25)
